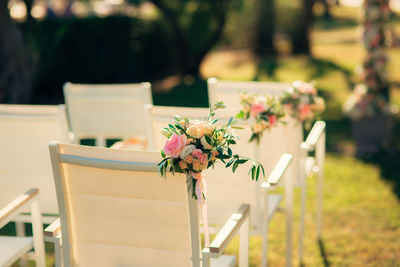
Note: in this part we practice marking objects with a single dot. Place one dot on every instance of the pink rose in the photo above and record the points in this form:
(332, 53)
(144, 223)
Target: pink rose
(198, 154)
(174, 145)
(272, 120)
(256, 109)
(307, 88)
(304, 111)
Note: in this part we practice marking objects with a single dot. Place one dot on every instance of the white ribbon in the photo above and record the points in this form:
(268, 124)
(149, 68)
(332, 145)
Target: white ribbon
(201, 191)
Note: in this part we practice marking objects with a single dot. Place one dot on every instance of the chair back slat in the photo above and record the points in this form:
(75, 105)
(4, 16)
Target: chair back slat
(119, 216)
(107, 111)
(25, 133)
(279, 140)
(229, 91)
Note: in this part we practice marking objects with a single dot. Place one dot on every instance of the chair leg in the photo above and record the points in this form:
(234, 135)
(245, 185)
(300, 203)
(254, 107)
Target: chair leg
(289, 218)
(320, 181)
(265, 225)
(244, 244)
(303, 197)
(37, 229)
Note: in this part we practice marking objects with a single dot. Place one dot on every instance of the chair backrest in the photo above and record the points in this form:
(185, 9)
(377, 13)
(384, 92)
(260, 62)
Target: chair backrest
(229, 91)
(281, 139)
(106, 110)
(25, 133)
(225, 190)
(116, 210)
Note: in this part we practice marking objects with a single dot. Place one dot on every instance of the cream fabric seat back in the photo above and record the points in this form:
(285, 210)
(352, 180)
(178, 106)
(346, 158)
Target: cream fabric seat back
(116, 210)
(225, 190)
(107, 110)
(25, 133)
(281, 139)
(229, 91)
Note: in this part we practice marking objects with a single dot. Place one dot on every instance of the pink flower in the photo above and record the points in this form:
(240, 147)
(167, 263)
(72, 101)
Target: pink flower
(189, 159)
(304, 111)
(174, 145)
(272, 120)
(256, 109)
(305, 88)
(198, 154)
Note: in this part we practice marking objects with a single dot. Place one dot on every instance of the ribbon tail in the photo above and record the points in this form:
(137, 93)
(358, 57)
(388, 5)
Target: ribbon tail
(200, 193)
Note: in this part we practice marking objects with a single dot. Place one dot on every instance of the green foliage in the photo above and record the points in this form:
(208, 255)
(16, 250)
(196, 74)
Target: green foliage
(98, 50)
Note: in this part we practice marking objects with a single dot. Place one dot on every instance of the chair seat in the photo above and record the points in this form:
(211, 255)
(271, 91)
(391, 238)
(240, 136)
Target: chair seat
(224, 260)
(12, 247)
(273, 204)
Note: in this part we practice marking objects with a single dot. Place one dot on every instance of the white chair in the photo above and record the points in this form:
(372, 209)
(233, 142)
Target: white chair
(25, 133)
(11, 247)
(102, 111)
(281, 139)
(116, 210)
(224, 189)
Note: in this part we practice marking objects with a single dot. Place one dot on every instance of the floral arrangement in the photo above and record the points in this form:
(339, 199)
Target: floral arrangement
(194, 146)
(303, 103)
(264, 112)
(361, 104)
(371, 97)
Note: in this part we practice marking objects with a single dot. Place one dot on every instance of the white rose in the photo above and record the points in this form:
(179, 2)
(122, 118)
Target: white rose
(204, 143)
(186, 151)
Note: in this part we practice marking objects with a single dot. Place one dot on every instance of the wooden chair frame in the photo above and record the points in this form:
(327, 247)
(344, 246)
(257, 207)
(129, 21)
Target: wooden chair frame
(238, 222)
(314, 143)
(20, 246)
(261, 190)
(91, 94)
(36, 114)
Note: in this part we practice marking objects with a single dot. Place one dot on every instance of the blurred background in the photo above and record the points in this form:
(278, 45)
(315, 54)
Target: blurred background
(177, 44)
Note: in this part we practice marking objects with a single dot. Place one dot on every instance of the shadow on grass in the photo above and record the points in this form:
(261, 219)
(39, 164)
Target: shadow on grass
(388, 161)
(323, 253)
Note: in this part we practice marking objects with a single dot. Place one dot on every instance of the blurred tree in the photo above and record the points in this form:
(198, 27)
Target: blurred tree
(196, 26)
(16, 70)
(300, 34)
(264, 28)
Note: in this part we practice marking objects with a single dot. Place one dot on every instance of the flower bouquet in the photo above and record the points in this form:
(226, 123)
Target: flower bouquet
(263, 112)
(303, 103)
(195, 145)
(362, 104)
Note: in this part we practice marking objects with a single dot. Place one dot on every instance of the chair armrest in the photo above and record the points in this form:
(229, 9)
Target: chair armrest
(314, 136)
(279, 169)
(228, 231)
(12, 209)
(53, 229)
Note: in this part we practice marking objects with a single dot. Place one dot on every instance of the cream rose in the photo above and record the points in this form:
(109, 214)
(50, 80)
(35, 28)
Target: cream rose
(208, 128)
(204, 143)
(195, 130)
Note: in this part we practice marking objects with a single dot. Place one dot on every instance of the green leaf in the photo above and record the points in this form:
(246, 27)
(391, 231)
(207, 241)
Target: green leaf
(208, 139)
(230, 121)
(229, 163)
(231, 141)
(258, 172)
(253, 172)
(241, 161)
(180, 127)
(237, 127)
(235, 165)
(229, 152)
(262, 168)
(213, 121)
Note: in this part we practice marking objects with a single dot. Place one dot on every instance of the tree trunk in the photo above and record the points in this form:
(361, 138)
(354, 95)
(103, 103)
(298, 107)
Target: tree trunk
(15, 68)
(301, 31)
(265, 28)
